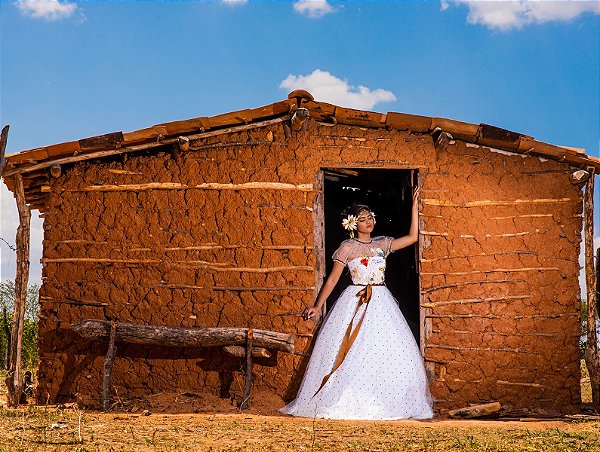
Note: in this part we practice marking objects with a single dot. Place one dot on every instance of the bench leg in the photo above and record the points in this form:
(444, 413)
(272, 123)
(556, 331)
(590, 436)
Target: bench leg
(108, 363)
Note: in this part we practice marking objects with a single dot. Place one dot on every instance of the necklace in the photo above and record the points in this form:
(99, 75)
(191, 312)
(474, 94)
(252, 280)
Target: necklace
(360, 241)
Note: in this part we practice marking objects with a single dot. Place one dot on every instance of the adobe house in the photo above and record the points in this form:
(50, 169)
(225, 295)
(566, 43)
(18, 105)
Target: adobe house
(231, 220)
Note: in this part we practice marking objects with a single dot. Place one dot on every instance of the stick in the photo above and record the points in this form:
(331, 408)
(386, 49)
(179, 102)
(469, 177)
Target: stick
(498, 270)
(473, 300)
(108, 363)
(14, 382)
(179, 186)
(481, 281)
(3, 141)
(486, 349)
(246, 396)
(592, 357)
(483, 203)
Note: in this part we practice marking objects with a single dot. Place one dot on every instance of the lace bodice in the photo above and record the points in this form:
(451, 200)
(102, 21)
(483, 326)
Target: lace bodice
(365, 260)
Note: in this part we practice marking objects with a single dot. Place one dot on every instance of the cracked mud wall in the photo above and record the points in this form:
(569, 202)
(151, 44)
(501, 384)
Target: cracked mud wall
(499, 282)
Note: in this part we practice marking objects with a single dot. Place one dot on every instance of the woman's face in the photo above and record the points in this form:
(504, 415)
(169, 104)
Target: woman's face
(365, 222)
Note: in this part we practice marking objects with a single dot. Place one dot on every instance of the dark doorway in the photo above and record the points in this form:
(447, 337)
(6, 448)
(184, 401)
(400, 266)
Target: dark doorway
(388, 192)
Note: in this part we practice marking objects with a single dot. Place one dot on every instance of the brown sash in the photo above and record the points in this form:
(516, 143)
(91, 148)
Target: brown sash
(364, 297)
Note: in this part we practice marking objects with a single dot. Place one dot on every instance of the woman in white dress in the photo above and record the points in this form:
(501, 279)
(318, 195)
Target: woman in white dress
(365, 363)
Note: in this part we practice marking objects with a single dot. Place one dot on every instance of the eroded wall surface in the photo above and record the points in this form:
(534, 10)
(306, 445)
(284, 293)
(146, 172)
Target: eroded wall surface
(499, 282)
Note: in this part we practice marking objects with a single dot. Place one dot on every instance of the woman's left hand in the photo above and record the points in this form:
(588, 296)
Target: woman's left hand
(416, 195)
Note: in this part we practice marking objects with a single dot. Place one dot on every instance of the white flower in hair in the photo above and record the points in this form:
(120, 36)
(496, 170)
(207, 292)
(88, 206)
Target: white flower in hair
(349, 223)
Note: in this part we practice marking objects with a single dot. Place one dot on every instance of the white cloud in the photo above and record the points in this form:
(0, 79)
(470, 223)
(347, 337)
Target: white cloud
(234, 2)
(507, 14)
(51, 10)
(327, 87)
(9, 221)
(313, 8)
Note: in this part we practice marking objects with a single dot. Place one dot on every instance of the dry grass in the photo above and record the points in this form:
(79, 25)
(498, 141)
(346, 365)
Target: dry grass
(32, 428)
(39, 428)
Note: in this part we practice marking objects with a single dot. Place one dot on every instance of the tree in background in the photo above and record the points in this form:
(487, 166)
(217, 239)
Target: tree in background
(29, 354)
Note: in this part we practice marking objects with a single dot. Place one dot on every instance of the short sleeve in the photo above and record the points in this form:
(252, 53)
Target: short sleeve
(387, 245)
(342, 253)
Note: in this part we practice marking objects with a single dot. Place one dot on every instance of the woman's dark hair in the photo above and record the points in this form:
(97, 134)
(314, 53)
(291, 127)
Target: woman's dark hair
(355, 209)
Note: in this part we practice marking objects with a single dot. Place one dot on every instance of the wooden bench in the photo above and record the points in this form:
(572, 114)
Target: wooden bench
(240, 342)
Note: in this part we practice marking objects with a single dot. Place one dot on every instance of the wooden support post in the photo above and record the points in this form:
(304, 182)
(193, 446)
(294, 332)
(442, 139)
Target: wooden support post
(592, 357)
(14, 381)
(3, 141)
(108, 363)
(246, 396)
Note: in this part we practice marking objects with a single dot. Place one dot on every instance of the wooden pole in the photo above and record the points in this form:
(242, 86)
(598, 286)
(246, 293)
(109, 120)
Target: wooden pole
(166, 336)
(108, 363)
(3, 141)
(592, 357)
(14, 382)
(246, 396)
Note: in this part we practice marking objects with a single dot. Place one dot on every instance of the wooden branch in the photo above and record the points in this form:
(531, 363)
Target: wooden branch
(14, 381)
(183, 337)
(491, 316)
(99, 260)
(483, 349)
(108, 363)
(446, 331)
(239, 352)
(6, 327)
(176, 286)
(179, 186)
(248, 386)
(262, 289)
(497, 270)
(519, 383)
(476, 411)
(234, 144)
(3, 141)
(535, 253)
(591, 354)
(481, 281)
(72, 301)
(484, 203)
(141, 147)
(474, 300)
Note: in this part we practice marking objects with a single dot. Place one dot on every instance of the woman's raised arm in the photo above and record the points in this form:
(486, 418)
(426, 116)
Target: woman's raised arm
(413, 233)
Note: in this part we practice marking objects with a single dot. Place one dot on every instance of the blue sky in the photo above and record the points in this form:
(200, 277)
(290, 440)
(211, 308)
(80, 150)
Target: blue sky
(75, 69)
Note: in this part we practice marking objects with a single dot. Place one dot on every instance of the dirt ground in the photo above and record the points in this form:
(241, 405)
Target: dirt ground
(190, 421)
(146, 426)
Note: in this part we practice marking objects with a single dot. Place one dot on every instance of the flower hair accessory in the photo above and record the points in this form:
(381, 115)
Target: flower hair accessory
(349, 223)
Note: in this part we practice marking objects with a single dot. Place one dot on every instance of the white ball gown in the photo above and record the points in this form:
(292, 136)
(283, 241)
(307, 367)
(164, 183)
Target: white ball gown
(382, 375)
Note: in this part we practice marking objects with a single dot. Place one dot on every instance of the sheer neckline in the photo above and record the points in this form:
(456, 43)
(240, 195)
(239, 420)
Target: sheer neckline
(360, 241)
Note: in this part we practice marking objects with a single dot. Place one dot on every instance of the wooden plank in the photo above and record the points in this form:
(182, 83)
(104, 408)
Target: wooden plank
(412, 123)
(320, 111)
(459, 130)
(30, 156)
(107, 141)
(230, 119)
(267, 111)
(63, 149)
(186, 126)
(359, 118)
(498, 138)
(149, 133)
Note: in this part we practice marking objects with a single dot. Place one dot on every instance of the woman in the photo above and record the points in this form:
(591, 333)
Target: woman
(365, 363)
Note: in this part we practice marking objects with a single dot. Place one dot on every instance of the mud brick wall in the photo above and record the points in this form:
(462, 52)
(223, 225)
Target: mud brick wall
(499, 285)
